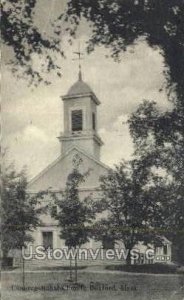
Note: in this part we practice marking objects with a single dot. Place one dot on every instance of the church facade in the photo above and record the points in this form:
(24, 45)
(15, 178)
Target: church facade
(80, 142)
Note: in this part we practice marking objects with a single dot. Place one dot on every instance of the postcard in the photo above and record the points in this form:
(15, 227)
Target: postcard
(92, 150)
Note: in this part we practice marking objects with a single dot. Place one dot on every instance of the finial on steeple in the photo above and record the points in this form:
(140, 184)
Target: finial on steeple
(80, 74)
(79, 59)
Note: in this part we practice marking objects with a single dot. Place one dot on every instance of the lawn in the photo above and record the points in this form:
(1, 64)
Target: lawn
(157, 268)
(113, 285)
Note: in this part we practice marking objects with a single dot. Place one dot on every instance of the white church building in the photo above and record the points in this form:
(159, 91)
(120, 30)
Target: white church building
(79, 141)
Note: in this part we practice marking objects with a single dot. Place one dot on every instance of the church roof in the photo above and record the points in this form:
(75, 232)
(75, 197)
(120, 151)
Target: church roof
(79, 88)
(55, 174)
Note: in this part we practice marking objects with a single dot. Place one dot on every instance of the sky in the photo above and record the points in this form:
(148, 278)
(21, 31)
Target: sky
(32, 117)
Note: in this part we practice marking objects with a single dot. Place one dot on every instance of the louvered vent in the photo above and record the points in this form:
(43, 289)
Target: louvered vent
(77, 120)
(93, 121)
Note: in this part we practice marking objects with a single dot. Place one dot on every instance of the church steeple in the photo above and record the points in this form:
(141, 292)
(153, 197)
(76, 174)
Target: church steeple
(80, 119)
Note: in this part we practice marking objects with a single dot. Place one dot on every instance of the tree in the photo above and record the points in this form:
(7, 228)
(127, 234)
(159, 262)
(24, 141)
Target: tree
(27, 42)
(74, 215)
(114, 23)
(19, 211)
(159, 138)
(133, 204)
(118, 24)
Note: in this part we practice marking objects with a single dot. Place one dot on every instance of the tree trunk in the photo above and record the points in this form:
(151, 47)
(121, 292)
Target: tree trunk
(23, 273)
(70, 269)
(76, 269)
(71, 277)
(128, 259)
(129, 248)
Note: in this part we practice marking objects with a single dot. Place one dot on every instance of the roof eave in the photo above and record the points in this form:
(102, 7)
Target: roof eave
(92, 95)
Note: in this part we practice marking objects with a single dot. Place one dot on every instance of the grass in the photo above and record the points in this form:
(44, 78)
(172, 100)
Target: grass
(120, 286)
(149, 268)
(58, 268)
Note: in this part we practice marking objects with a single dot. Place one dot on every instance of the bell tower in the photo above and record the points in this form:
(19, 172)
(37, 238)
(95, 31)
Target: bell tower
(80, 119)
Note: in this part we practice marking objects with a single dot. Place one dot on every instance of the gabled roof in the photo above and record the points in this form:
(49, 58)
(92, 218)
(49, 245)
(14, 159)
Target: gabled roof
(60, 159)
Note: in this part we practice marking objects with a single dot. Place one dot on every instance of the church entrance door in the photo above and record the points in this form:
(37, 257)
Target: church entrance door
(47, 239)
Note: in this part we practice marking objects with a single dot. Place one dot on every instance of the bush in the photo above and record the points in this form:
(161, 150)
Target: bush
(66, 268)
(7, 262)
(180, 270)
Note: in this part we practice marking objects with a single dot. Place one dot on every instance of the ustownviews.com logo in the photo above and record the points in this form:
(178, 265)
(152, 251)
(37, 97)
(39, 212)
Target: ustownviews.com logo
(40, 253)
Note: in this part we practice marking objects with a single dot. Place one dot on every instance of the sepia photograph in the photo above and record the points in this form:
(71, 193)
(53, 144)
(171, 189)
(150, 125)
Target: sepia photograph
(92, 150)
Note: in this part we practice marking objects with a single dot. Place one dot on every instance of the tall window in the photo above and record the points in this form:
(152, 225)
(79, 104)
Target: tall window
(165, 249)
(77, 120)
(47, 239)
(94, 121)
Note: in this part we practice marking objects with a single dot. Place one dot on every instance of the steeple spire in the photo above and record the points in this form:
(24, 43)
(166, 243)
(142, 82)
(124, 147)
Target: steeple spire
(80, 73)
(79, 54)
